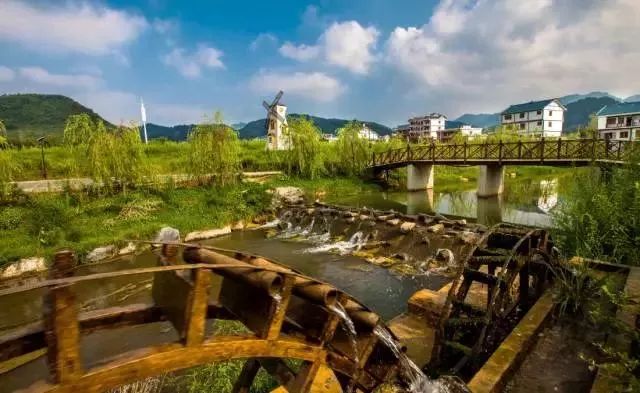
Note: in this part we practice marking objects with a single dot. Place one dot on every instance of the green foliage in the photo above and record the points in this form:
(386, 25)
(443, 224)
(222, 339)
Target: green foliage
(78, 130)
(600, 216)
(117, 155)
(9, 169)
(305, 156)
(214, 150)
(29, 116)
(353, 152)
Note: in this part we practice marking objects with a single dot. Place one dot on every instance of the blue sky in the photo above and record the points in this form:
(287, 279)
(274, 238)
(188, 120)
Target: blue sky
(372, 60)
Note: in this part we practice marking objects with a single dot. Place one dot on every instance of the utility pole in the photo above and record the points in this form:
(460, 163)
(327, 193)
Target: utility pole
(42, 140)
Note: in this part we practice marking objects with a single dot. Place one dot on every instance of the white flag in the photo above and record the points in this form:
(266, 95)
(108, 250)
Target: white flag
(143, 112)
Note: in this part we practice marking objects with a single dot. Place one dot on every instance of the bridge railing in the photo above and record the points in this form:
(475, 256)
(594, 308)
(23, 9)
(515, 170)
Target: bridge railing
(541, 150)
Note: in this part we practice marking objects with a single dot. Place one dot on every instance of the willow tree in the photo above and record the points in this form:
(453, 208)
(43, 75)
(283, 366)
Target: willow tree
(214, 151)
(304, 157)
(78, 130)
(353, 151)
(116, 156)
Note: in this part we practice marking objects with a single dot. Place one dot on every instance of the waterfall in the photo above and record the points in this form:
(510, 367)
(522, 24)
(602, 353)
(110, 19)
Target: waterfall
(418, 382)
(355, 243)
(350, 329)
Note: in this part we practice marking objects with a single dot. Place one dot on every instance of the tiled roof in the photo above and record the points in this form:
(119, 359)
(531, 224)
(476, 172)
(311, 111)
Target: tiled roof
(528, 107)
(620, 109)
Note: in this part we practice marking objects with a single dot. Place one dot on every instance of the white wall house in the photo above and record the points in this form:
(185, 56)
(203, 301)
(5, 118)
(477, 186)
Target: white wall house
(368, 134)
(619, 121)
(465, 130)
(426, 126)
(539, 118)
(277, 139)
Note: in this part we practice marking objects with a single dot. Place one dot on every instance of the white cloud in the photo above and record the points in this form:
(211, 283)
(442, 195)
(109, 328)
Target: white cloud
(491, 53)
(73, 27)
(263, 39)
(349, 45)
(191, 65)
(299, 52)
(316, 86)
(6, 74)
(344, 44)
(164, 26)
(41, 76)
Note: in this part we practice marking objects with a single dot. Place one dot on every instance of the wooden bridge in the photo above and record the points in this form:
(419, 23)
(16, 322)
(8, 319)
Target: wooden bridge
(492, 156)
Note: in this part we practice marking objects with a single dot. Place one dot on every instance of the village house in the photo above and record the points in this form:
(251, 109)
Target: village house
(464, 130)
(619, 121)
(368, 134)
(537, 118)
(422, 127)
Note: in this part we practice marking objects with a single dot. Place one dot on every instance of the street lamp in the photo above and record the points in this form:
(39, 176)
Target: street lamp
(42, 141)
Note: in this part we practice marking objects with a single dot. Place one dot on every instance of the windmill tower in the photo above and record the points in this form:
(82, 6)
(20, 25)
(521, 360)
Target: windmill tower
(276, 124)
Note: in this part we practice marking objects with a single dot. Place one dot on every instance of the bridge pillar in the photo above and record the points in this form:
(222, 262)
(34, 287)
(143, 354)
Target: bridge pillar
(489, 210)
(491, 180)
(420, 202)
(419, 177)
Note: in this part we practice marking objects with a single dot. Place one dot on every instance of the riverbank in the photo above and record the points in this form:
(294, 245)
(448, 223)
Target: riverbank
(38, 225)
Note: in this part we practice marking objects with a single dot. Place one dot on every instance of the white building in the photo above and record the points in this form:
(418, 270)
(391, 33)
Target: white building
(329, 137)
(368, 134)
(465, 130)
(620, 121)
(539, 118)
(277, 137)
(426, 126)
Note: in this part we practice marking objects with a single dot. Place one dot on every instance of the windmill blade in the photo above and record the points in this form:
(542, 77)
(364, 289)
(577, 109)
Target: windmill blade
(278, 97)
(266, 106)
(279, 117)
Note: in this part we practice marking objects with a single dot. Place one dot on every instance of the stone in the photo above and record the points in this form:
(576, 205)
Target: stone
(468, 237)
(25, 265)
(436, 228)
(167, 234)
(350, 219)
(101, 253)
(287, 196)
(238, 226)
(129, 249)
(364, 217)
(208, 234)
(394, 222)
(407, 226)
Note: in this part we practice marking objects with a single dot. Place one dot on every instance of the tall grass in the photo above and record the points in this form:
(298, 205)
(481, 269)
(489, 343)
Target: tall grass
(600, 215)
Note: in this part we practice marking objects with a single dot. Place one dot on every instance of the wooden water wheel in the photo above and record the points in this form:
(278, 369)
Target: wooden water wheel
(504, 272)
(287, 316)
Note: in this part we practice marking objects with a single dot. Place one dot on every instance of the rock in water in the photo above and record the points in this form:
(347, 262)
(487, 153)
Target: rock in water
(26, 265)
(167, 234)
(101, 253)
(407, 226)
(287, 196)
(209, 234)
(437, 228)
(468, 237)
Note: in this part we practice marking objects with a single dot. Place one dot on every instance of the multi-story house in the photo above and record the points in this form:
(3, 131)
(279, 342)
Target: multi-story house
(619, 121)
(426, 126)
(538, 118)
(464, 130)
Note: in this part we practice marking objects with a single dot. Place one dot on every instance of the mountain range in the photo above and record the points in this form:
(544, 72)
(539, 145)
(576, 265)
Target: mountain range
(29, 116)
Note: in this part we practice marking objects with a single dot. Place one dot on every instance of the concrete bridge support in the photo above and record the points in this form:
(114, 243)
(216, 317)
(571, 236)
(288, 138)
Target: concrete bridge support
(420, 202)
(489, 210)
(419, 177)
(491, 180)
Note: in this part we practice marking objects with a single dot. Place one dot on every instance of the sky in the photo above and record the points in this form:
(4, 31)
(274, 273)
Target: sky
(374, 60)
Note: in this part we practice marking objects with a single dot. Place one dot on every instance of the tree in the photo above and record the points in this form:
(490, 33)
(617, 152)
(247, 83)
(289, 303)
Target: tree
(78, 130)
(305, 156)
(353, 151)
(116, 155)
(214, 149)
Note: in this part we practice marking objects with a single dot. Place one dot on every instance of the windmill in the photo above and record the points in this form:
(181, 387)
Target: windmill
(276, 124)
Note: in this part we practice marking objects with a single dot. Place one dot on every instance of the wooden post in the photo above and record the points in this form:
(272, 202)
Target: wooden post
(559, 146)
(247, 375)
(62, 331)
(520, 149)
(196, 314)
(542, 149)
(606, 148)
(500, 152)
(465, 151)
(281, 306)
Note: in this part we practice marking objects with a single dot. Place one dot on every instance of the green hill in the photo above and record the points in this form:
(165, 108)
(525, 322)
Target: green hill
(256, 129)
(29, 116)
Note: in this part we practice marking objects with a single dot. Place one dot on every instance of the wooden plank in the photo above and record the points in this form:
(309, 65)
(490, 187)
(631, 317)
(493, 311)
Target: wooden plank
(246, 377)
(62, 331)
(147, 362)
(305, 377)
(171, 292)
(279, 307)
(196, 314)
